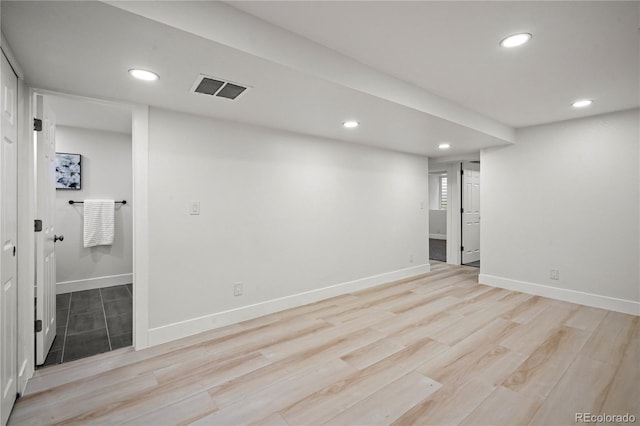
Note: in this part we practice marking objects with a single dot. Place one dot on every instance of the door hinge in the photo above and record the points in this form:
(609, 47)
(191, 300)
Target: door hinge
(461, 248)
(14, 251)
(461, 210)
(37, 225)
(461, 172)
(38, 326)
(37, 124)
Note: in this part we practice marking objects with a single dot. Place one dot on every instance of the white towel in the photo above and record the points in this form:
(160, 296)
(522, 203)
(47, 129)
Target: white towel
(99, 222)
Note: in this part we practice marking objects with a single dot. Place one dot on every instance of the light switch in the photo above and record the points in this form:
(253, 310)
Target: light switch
(194, 207)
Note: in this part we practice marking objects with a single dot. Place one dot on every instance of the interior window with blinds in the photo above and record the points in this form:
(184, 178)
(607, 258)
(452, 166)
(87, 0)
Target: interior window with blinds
(443, 192)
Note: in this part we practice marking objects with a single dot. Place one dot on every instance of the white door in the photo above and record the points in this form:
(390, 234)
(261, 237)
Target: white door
(45, 240)
(470, 215)
(8, 235)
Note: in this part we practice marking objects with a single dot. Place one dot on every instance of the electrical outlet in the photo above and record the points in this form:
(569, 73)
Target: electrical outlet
(237, 289)
(410, 258)
(555, 274)
(194, 207)
(422, 205)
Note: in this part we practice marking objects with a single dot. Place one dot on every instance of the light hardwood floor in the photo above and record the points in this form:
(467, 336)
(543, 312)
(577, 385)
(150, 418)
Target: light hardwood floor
(438, 349)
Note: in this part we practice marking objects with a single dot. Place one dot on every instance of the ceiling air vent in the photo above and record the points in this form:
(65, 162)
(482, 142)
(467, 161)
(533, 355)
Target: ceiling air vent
(218, 87)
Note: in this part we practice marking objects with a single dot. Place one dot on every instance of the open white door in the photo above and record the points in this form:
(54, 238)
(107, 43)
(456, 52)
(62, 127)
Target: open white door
(470, 214)
(45, 240)
(8, 236)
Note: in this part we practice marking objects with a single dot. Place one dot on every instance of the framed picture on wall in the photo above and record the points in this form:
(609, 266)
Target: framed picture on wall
(68, 170)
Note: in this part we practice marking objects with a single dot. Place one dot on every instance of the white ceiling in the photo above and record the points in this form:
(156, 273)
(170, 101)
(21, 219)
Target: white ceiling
(580, 49)
(87, 47)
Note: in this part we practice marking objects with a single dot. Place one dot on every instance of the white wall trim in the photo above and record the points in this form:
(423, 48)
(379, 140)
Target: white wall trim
(91, 283)
(438, 236)
(573, 296)
(193, 326)
(26, 239)
(454, 216)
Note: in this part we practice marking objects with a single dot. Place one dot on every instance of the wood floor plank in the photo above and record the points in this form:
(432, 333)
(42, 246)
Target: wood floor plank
(271, 399)
(251, 340)
(586, 318)
(334, 340)
(492, 364)
(182, 412)
(372, 353)
(452, 282)
(624, 393)
(526, 311)
(610, 339)
(450, 405)
(296, 365)
(503, 407)
(386, 405)
(532, 334)
(418, 316)
(117, 378)
(433, 349)
(273, 420)
(540, 372)
(55, 413)
(482, 302)
(421, 302)
(55, 376)
(321, 406)
(178, 388)
(460, 330)
(357, 314)
(582, 389)
(492, 333)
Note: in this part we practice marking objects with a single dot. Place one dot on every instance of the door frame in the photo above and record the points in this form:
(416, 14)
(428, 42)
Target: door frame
(470, 165)
(139, 204)
(452, 165)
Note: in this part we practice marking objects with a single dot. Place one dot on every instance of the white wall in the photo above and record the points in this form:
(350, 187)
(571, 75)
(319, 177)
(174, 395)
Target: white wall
(434, 192)
(284, 214)
(106, 173)
(438, 224)
(566, 196)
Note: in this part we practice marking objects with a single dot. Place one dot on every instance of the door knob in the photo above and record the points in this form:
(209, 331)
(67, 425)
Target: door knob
(57, 238)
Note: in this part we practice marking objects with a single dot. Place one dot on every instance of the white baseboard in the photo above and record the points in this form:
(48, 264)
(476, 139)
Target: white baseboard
(91, 283)
(193, 326)
(438, 236)
(579, 297)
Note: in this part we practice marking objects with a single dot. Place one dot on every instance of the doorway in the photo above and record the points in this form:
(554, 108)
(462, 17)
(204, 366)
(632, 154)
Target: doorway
(91, 283)
(470, 218)
(438, 201)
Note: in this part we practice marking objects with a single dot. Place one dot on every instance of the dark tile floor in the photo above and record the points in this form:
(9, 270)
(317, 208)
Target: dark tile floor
(438, 250)
(475, 264)
(91, 322)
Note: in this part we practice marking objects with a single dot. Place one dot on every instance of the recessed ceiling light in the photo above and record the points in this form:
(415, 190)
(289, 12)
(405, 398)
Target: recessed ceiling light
(351, 124)
(444, 146)
(515, 40)
(582, 103)
(144, 75)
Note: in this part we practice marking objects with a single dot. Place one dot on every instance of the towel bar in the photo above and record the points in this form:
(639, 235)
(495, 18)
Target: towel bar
(82, 202)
